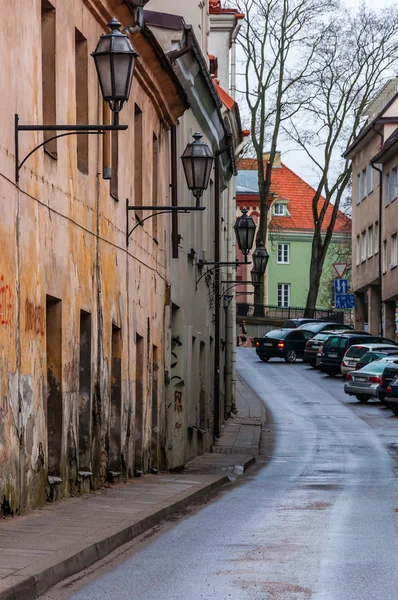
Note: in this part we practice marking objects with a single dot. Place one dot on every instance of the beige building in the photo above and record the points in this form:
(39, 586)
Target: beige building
(374, 155)
(109, 342)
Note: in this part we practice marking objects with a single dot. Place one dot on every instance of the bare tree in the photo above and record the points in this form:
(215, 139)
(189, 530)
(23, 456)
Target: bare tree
(278, 40)
(355, 57)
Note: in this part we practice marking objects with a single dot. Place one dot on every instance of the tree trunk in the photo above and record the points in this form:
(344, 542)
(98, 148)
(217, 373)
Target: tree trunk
(316, 266)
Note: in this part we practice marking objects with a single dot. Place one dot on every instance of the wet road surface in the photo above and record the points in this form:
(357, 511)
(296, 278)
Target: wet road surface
(317, 521)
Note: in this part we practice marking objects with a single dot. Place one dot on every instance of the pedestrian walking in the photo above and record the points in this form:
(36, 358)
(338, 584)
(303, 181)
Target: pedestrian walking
(243, 333)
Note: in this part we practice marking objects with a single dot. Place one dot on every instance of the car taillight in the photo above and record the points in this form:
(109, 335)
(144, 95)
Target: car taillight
(388, 389)
(374, 380)
(257, 344)
(357, 367)
(308, 344)
(348, 377)
(281, 344)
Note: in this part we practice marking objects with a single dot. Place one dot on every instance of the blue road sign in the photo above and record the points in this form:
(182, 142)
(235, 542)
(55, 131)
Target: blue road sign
(340, 286)
(345, 301)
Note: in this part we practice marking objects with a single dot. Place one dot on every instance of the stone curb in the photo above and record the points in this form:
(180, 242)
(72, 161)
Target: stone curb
(32, 586)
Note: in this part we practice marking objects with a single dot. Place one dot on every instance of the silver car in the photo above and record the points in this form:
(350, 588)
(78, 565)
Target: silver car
(365, 383)
(354, 353)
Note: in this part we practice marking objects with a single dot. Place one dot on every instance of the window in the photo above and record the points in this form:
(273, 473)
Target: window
(387, 190)
(370, 178)
(48, 57)
(358, 188)
(81, 92)
(384, 256)
(358, 250)
(283, 253)
(394, 251)
(377, 237)
(283, 295)
(280, 209)
(394, 191)
(363, 184)
(363, 246)
(370, 241)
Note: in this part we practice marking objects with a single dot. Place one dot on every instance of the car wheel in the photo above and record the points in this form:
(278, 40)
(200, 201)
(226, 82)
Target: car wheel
(331, 373)
(291, 356)
(362, 398)
(394, 409)
(265, 358)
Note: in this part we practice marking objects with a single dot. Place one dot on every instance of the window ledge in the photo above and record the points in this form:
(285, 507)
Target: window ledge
(392, 267)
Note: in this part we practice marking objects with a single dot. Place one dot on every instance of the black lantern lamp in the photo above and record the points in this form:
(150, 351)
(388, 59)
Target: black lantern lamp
(115, 60)
(256, 277)
(197, 161)
(245, 229)
(260, 259)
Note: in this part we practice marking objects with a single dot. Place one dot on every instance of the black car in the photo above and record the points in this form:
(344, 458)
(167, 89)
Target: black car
(389, 374)
(324, 326)
(282, 343)
(336, 346)
(315, 345)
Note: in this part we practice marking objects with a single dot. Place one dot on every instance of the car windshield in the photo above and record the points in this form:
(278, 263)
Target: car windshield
(356, 351)
(370, 357)
(336, 342)
(377, 366)
(278, 334)
(321, 336)
(312, 326)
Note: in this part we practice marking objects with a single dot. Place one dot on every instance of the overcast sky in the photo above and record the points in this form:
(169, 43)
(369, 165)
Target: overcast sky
(297, 160)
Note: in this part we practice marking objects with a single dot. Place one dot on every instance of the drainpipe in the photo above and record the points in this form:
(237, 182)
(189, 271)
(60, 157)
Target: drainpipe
(217, 198)
(379, 240)
(234, 36)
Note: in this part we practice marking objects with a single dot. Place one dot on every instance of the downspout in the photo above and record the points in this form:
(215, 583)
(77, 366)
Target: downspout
(217, 197)
(379, 240)
(234, 36)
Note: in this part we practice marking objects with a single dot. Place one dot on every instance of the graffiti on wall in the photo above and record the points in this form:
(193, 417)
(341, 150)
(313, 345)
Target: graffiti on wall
(6, 303)
(34, 318)
(178, 402)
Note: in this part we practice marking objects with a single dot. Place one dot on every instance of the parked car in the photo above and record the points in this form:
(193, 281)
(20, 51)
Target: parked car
(389, 374)
(354, 353)
(293, 323)
(325, 326)
(314, 346)
(391, 395)
(282, 343)
(365, 383)
(336, 346)
(370, 357)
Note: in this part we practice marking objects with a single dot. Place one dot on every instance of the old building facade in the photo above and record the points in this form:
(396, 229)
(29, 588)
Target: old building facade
(374, 214)
(110, 344)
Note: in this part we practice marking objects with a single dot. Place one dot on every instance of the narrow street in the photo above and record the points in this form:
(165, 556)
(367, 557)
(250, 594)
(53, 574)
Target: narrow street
(317, 521)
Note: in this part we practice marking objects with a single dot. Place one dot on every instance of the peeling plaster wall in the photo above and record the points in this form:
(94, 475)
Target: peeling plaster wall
(63, 236)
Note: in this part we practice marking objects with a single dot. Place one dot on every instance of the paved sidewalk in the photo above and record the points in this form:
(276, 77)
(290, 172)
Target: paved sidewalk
(42, 548)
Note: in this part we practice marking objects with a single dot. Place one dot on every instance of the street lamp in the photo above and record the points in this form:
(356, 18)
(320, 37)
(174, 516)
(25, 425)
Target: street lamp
(245, 229)
(260, 259)
(256, 277)
(197, 161)
(115, 60)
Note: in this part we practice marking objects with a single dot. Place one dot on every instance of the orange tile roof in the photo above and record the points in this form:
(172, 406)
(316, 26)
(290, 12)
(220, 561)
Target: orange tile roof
(289, 186)
(215, 9)
(225, 97)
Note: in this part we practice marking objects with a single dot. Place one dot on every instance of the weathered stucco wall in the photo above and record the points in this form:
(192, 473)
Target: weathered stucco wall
(66, 274)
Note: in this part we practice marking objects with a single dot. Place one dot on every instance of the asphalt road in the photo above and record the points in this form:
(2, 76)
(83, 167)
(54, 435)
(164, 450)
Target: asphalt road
(317, 522)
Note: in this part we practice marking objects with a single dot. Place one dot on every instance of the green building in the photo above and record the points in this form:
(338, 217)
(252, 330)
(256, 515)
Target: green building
(290, 237)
